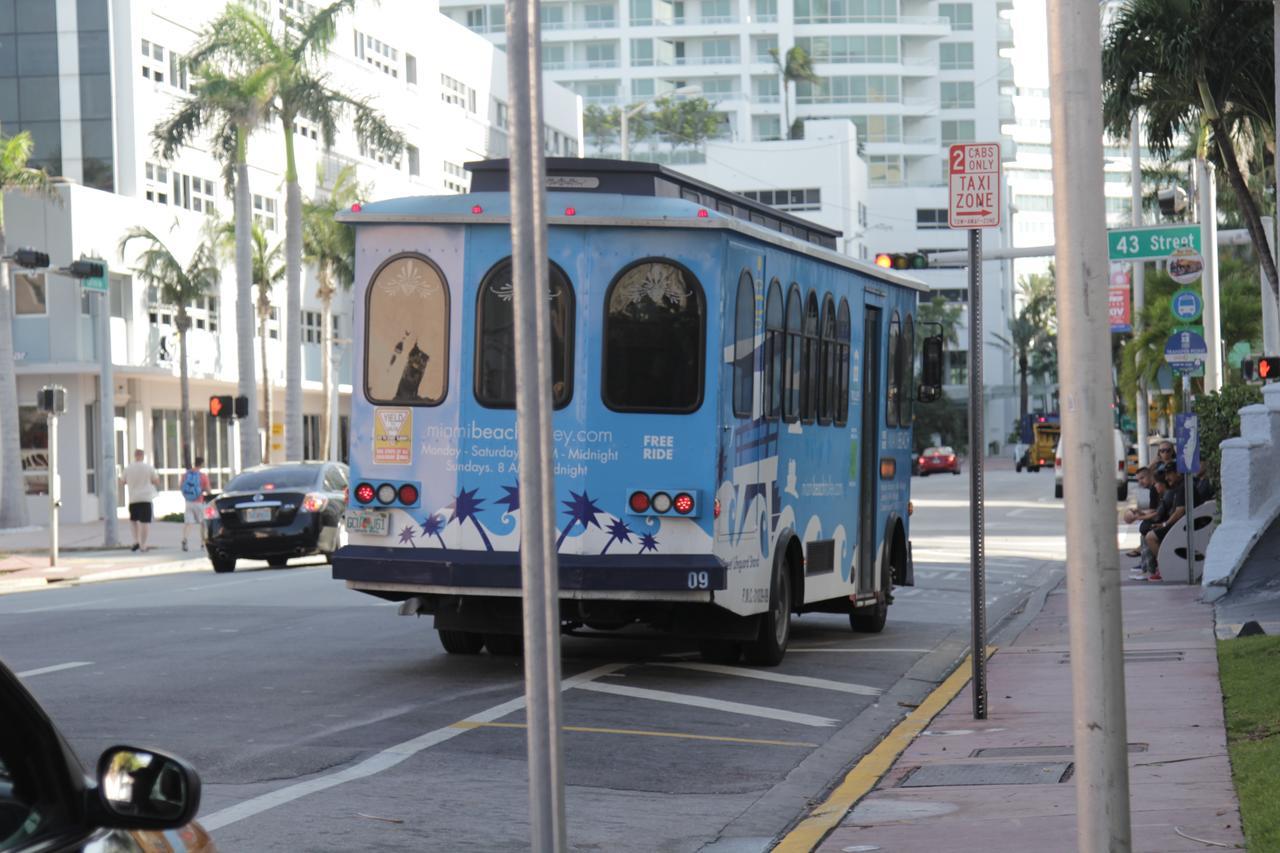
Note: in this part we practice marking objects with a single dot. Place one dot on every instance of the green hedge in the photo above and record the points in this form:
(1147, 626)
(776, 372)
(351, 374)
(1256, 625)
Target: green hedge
(1219, 413)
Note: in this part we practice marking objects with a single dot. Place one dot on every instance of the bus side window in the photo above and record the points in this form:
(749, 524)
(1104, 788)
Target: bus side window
(406, 333)
(495, 345)
(827, 381)
(908, 372)
(654, 339)
(795, 345)
(842, 364)
(744, 346)
(774, 352)
(809, 373)
(893, 387)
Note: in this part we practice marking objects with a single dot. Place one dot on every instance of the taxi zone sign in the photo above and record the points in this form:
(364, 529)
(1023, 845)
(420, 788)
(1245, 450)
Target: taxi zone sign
(974, 170)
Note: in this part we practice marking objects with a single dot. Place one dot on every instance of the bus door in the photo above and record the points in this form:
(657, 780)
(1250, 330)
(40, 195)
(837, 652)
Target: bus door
(869, 448)
(745, 437)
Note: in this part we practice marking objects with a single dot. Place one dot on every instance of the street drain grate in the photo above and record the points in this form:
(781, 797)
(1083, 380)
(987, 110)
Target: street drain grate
(1037, 751)
(1032, 773)
(1142, 656)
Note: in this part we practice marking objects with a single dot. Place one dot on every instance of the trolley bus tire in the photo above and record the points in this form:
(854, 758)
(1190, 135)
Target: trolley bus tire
(461, 642)
(724, 652)
(770, 644)
(870, 620)
(504, 645)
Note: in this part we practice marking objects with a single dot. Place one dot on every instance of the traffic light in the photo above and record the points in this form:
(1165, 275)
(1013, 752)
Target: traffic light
(902, 260)
(30, 259)
(221, 405)
(87, 269)
(242, 406)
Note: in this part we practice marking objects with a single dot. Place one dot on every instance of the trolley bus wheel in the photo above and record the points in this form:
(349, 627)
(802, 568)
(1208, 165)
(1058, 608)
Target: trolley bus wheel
(770, 645)
(870, 620)
(461, 642)
(504, 645)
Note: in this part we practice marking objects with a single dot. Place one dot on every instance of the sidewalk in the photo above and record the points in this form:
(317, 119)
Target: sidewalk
(24, 555)
(1006, 783)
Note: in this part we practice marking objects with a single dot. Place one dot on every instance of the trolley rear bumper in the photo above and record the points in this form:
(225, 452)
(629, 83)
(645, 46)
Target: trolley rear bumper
(496, 570)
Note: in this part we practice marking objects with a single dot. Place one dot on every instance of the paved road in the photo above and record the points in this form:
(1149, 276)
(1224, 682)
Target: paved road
(321, 720)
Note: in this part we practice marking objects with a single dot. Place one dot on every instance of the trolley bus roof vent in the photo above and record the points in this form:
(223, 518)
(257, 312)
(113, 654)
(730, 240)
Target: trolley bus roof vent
(628, 177)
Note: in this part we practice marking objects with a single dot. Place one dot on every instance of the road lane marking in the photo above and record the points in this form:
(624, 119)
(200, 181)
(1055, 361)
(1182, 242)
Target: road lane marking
(384, 760)
(712, 704)
(808, 834)
(58, 667)
(763, 675)
(642, 732)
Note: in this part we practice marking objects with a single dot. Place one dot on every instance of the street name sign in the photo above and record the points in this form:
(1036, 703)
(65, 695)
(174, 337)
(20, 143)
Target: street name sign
(1185, 351)
(1154, 243)
(974, 177)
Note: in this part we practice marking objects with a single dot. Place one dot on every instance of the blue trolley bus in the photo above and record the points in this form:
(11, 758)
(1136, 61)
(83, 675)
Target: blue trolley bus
(732, 413)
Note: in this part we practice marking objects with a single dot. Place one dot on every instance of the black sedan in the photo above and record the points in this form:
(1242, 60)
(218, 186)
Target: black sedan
(49, 803)
(274, 512)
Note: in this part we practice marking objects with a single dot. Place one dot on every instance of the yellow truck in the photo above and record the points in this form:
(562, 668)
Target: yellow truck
(1040, 452)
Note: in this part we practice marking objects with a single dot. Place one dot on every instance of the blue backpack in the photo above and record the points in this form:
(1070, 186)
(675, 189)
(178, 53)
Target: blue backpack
(191, 486)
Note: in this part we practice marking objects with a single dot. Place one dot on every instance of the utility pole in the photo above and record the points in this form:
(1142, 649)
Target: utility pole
(1139, 269)
(1093, 570)
(1208, 210)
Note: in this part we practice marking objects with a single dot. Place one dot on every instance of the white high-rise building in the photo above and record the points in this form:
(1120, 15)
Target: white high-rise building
(90, 79)
(914, 76)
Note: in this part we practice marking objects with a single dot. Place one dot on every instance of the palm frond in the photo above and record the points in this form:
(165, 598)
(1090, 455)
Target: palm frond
(318, 32)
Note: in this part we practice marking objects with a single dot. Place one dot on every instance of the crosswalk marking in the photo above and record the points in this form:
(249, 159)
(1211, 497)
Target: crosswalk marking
(55, 668)
(712, 704)
(781, 678)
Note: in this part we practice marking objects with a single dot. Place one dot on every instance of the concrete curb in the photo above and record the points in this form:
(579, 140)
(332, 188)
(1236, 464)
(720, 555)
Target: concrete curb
(53, 581)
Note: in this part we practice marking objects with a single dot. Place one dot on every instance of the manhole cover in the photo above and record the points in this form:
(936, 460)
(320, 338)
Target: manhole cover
(1039, 751)
(1032, 773)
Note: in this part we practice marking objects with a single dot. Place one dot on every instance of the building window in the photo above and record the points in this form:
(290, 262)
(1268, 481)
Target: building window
(850, 49)
(884, 169)
(208, 439)
(873, 89)
(842, 364)
(495, 376)
(455, 177)
(958, 130)
(654, 328)
(827, 375)
(804, 199)
(407, 333)
(955, 56)
(907, 371)
(33, 439)
(931, 217)
(960, 15)
(312, 327)
(956, 94)
(153, 64)
(774, 352)
(766, 128)
(810, 364)
(766, 11)
(156, 186)
(893, 390)
(845, 11)
(744, 345)
(795, 349)
(457, 93)
(29, 295)
(411, 151)
(410, 69)
(264, 212)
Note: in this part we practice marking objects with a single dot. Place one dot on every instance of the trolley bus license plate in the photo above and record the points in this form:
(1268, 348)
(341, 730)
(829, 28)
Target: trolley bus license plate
(368, 521)
(256, 514)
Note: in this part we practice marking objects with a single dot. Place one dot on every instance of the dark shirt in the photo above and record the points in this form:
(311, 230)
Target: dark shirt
(1173, 498)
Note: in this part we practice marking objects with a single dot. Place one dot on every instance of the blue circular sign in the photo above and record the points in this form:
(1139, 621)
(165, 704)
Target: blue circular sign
(1187, 306)
(1185, 351)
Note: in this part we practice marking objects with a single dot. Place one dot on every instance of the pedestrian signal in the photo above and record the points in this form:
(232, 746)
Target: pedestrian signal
(220, 406)
(242, 406)
(902, 260)
(1260, 368)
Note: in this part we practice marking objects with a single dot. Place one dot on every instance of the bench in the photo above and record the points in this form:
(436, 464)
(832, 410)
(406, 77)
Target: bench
(1172, 558)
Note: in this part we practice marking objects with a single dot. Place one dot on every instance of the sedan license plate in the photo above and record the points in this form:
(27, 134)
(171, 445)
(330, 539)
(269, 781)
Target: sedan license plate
(368, 521)
(255, 514)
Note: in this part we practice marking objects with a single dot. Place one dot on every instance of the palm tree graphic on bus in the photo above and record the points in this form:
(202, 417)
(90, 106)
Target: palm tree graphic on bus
(581, 510)
(466, 506)
(619, 531)
(432, 525)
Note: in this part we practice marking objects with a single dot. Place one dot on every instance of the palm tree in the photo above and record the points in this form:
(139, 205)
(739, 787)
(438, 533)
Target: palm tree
(288, 57)
(267, 267)
(1193, 65)
(795, 67)
(330, 246)
(15, 176)
(1031, 333)
(232, 107)
(179, 286)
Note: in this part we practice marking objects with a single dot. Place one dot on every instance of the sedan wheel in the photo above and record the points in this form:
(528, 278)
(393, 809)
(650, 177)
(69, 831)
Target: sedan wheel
(277, 562)
(222, 563)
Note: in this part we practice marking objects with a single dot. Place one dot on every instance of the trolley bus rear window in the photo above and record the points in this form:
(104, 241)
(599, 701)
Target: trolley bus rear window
(406, 333)
(654, 340)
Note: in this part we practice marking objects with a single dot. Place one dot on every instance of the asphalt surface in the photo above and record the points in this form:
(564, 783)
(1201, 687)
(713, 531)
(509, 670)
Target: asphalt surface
(321, 720)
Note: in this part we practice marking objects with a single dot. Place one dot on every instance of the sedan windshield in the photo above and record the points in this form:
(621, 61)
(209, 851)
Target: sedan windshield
(269, 479)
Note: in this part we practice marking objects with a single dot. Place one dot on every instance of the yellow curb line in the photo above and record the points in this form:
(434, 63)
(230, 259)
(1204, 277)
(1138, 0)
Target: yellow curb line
(808, 834)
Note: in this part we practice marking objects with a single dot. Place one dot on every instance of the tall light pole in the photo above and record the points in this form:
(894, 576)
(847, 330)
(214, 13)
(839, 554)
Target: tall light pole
(635, 110)
(1139, 284)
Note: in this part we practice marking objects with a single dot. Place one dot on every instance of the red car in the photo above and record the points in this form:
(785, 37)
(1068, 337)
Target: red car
(937, 460)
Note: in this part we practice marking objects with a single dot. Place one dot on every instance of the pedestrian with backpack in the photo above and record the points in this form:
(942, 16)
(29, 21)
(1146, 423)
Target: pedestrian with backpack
(195, 485)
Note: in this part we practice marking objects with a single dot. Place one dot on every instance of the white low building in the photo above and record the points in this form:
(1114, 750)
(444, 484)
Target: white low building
(90, 79)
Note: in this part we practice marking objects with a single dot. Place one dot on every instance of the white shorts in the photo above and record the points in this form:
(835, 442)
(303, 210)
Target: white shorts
(195, 513)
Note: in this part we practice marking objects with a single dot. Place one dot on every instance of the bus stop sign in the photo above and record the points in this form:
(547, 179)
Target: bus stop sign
(1185, 351)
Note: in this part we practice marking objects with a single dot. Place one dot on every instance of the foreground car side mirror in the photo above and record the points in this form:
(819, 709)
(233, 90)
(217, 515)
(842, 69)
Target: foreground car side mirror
(143, 789)
(930, 369)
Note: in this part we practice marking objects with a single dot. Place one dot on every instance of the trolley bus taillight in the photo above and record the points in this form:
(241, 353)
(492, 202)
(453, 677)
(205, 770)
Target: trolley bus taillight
(683, 503)
(673, 502)
(364, 493)
(661, 502)
(408, 494)
(639, 502)
(386, 493)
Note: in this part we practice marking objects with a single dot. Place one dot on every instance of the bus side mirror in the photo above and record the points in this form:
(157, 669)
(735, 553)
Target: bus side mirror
(930, 369)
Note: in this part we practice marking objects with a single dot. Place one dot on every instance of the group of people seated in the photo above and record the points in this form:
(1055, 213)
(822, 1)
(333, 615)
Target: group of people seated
(1165, 508)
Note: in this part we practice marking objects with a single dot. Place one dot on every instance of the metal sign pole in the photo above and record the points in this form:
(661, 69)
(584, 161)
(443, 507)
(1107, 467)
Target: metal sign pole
(1188, 500)
(53, 489)
(107, 425)
(977, 550)
(538, 562)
